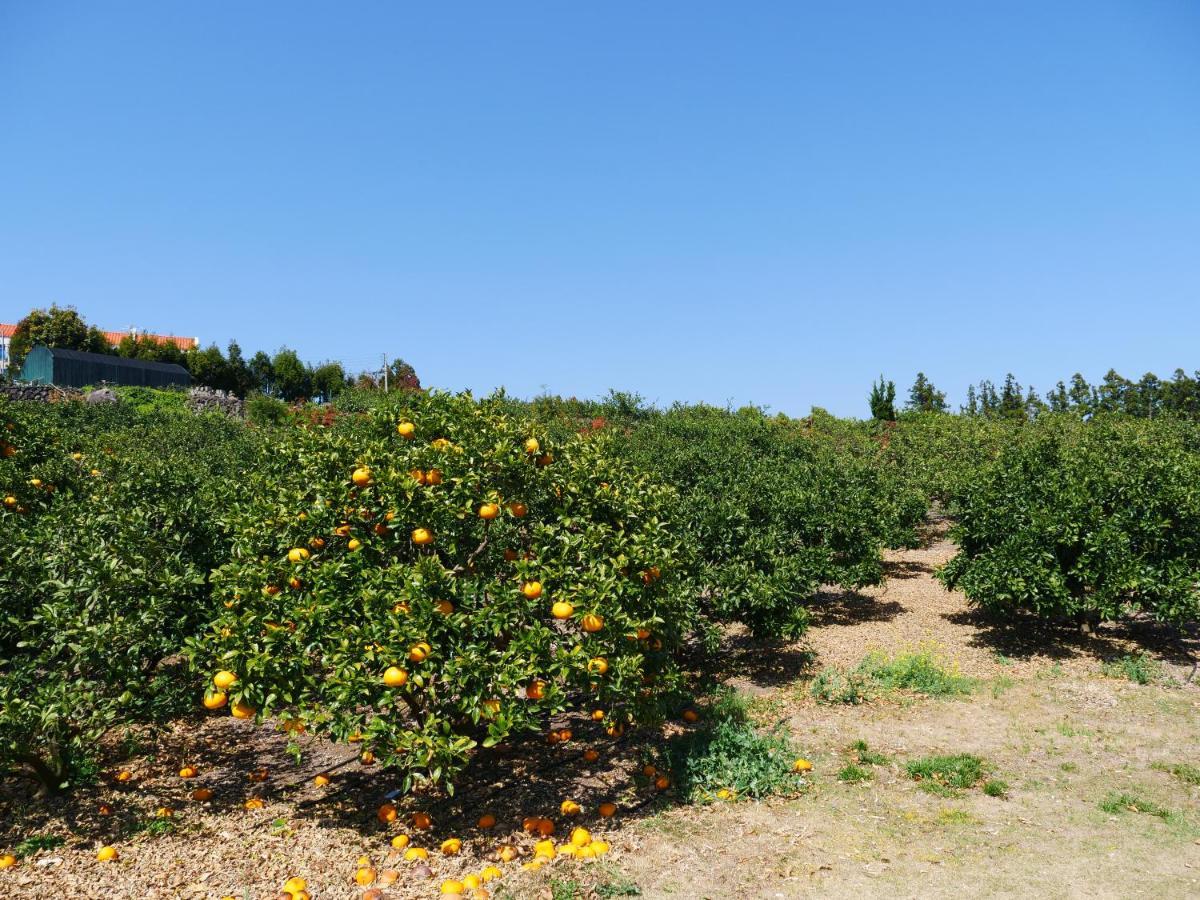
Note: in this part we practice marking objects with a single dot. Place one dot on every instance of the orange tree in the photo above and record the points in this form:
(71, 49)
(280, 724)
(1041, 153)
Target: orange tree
(110, 524)
(774, 508)
(432, 574)
(1089, 521)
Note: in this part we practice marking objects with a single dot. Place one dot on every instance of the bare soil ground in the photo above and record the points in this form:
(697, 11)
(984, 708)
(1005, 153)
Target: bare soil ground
(1043, 716)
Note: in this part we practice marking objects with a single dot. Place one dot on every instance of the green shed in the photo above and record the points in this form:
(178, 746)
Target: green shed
(74, 368)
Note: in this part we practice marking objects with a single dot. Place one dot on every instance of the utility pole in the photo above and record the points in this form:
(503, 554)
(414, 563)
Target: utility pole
(385, 373)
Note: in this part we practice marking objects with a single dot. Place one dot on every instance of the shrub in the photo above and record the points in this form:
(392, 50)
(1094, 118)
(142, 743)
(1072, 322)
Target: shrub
(264, 410)
(1084, 521)
(833, 686)
(107, 558)
(728, 753)
(774, 509)
(416, 558)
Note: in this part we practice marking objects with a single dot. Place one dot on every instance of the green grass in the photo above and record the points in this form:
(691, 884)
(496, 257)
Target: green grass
(1116, 803)
(832, 686)
(946, 775)
(565, 890)
(1001, 685)
(854, 774)
(1185, 772)
(995, 787)
(866, 755)
(921, 673)
(155, 827)
(36, 842)
(1140, 668)
(728, 751)
(918, 673)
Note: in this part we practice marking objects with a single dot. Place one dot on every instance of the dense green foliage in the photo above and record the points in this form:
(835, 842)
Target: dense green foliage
(111, 524)
(774, 509)
(1088, 521)
(140, 537)
(310, 638)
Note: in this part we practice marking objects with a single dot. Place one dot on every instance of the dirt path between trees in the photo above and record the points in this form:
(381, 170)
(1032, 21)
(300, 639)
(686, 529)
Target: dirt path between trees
(1044, 718)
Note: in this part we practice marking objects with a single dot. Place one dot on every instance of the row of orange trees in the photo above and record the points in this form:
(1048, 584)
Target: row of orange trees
(425, 573)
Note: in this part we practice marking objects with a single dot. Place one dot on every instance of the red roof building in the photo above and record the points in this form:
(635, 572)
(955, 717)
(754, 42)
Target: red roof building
(113, 338)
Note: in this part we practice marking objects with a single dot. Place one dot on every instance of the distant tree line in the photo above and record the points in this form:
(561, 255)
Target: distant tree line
(1148, 397)
(283, 375)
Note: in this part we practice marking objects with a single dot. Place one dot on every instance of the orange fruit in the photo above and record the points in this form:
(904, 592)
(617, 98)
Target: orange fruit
(642, 634)
(616, 729)
(802, 765)
(433, 476)
(439, 444)
(164, 812)
(510, 555)
(649, 771)
(368, 758)
(417, 475)
(532, 446)
(297, 554)
(445, 607)
(104, 809)
(188, 772)
(224, 680)
(361, 476)
(321, 780)
(597, 715)
(386, 813)
(253, 803)
(489, 511)
(518, 509)
(295, 884)
(450, 886)
(105, 854)
(353, 544)
(599, 665)
(487, 820)
(691, 716)
(406, 429)
(562, 610)
(593, 622)
(7, 861)
(395, 677)
(662, 782)
(607, 810)
(124, 775)
(532, 590)
(570, 808)
(243, 710)
(413, 853)
(506, 853)
(400, 841)
(491, 708)
(202, 794)
(535, 690)
(419, 652)
(545, 827)
(451, 846)
(724, 794)
(215, 699)
(422, 821)
(580, 837)
(295, 583)
(489, 873)
(422, 536)
(316, 543)
(591, 755)
(364, 876)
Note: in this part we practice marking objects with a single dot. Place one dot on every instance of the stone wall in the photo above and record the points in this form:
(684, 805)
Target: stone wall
(209, 400)
(38, 393)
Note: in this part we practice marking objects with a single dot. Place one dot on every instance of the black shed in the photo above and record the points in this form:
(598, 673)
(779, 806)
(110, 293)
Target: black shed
(74, 368)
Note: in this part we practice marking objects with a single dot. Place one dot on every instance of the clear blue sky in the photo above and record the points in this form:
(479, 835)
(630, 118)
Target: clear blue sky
(742, 202)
